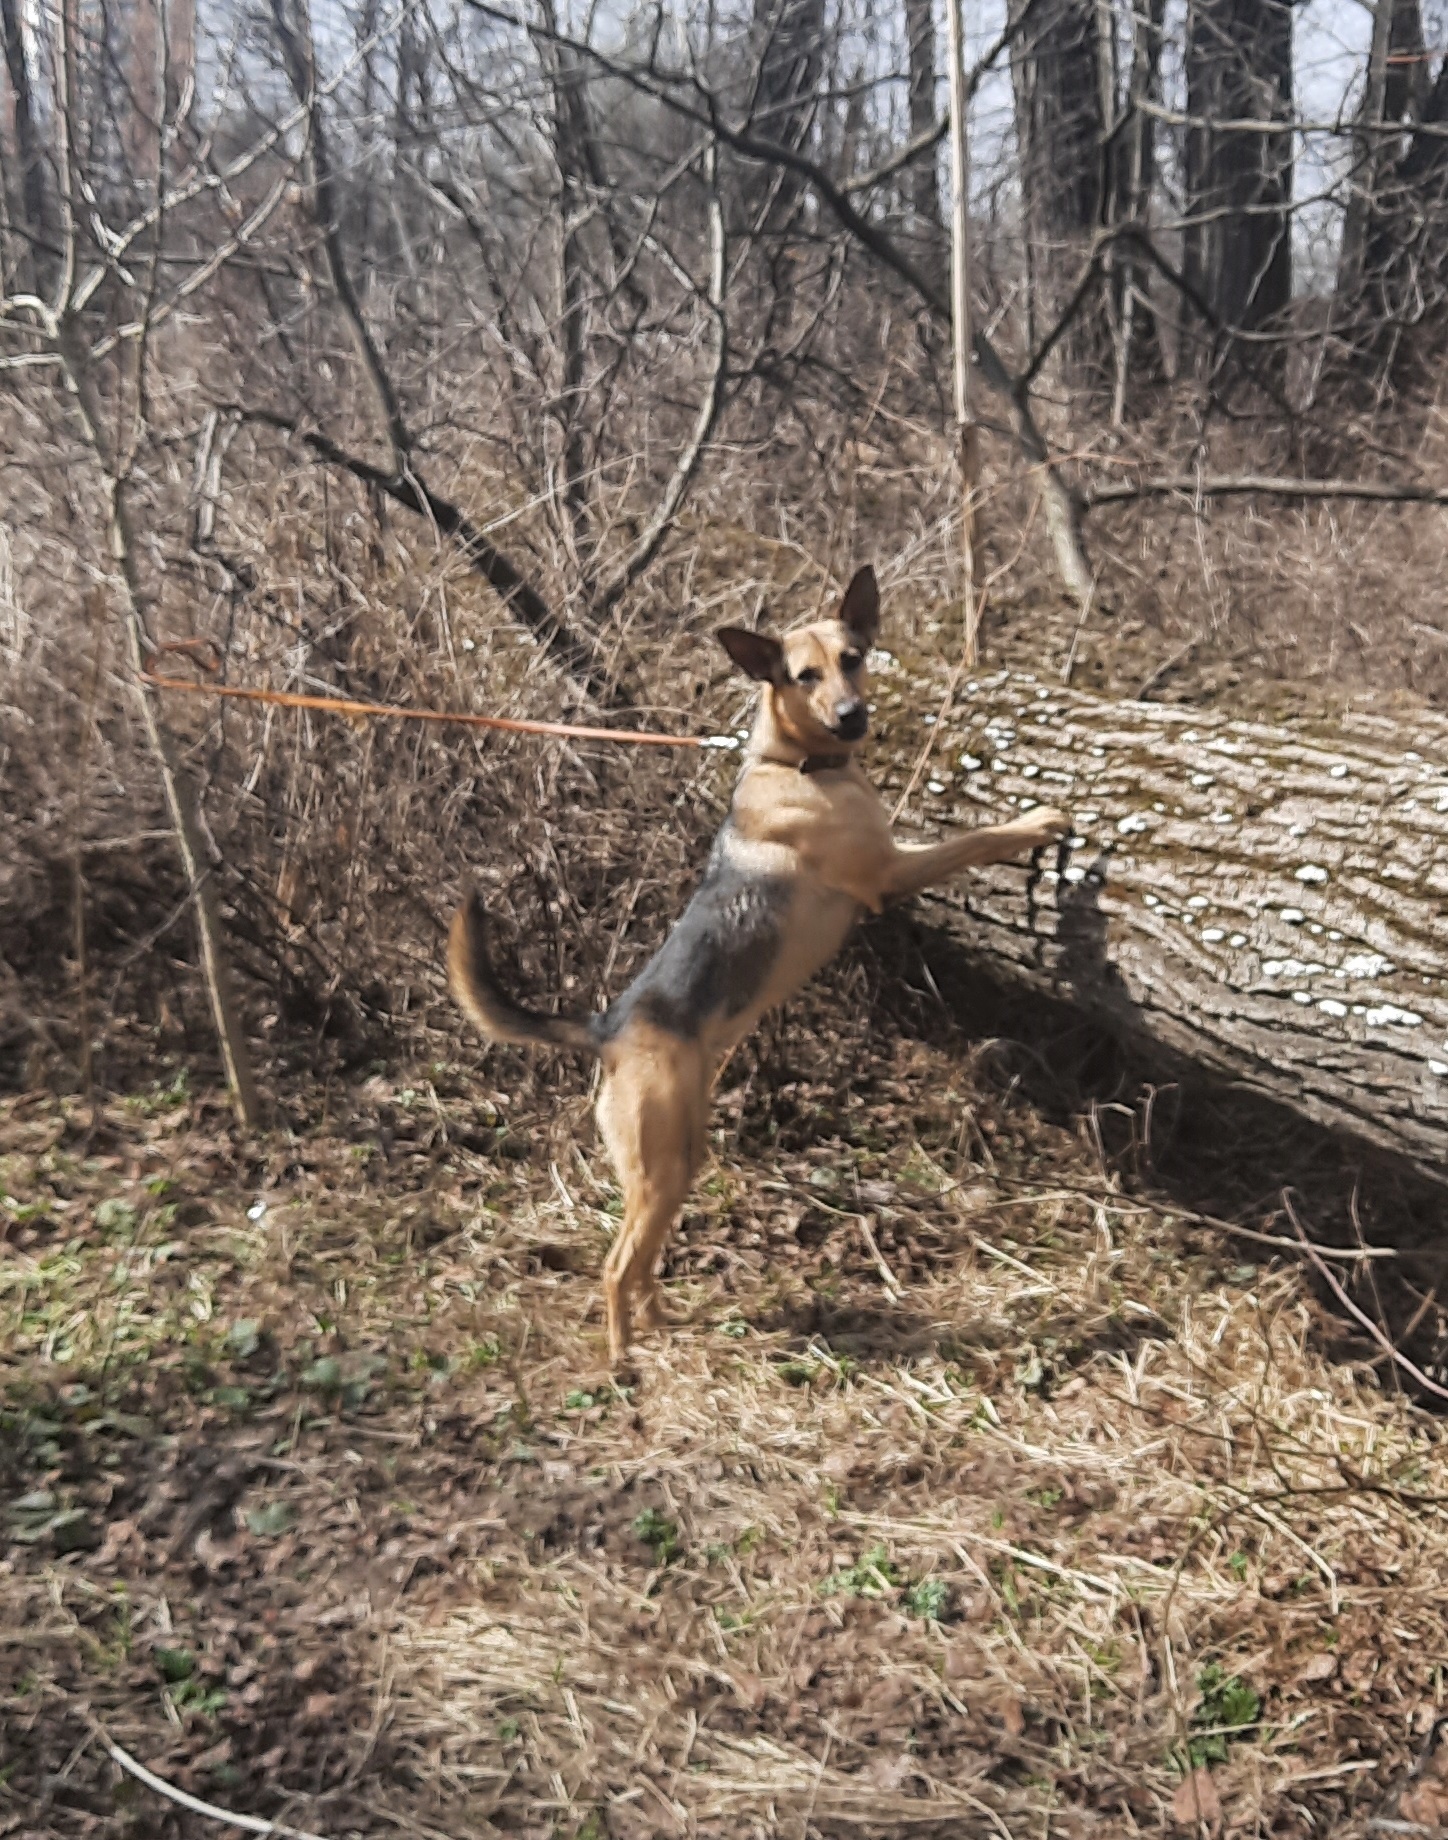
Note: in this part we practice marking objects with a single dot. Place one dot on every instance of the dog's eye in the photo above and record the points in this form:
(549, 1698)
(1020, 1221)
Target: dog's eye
(809, 675)
(850, 661)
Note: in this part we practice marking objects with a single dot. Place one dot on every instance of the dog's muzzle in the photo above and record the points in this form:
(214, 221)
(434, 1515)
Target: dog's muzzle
(852, 721)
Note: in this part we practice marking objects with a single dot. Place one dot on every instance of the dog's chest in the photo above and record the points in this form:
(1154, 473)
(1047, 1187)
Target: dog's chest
(831, 827)
(776, 925)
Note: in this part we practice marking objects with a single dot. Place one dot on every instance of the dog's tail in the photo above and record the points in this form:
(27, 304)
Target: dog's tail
(471, 979)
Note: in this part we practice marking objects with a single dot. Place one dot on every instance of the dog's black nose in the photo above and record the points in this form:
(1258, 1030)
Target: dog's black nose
(851, 721)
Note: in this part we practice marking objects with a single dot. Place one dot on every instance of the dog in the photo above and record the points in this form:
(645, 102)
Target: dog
(806, 848)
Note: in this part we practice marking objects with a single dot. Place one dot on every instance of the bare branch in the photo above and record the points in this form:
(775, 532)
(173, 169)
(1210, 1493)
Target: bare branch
(1239, 485)
(1359, 1315)
(1063, 504)
(647, 546)
(571, 651)
(249, 1823)
(295, 39)
(919, 145)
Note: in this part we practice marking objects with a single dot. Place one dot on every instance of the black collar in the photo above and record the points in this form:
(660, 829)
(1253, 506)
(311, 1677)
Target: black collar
(812, 763)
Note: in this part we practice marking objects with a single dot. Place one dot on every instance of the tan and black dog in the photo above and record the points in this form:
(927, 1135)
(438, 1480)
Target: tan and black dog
(806, 847)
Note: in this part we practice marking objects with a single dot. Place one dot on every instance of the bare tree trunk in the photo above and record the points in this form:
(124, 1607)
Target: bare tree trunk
(1060, 132)
(1266, 902)
(1368, 154)
(585, 190)
(1403, 304)
(571, 139)
(1424, 171)
(924, 174)
(650, 539)
(1237, 253)
(1139, 357)
(790, 61)
(967, 435)
(374, 181)
(33, 198)
(175, 780)
(111, 436)
(1396, 90)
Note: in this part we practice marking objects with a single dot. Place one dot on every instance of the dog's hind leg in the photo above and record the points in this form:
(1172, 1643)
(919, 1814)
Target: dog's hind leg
(677, 1172)
(651, 1113)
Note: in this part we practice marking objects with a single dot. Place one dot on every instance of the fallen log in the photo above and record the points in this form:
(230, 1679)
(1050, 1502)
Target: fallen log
(1266, 901)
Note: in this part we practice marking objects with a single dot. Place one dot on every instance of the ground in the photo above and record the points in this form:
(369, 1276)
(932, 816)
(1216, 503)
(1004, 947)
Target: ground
(976, 1496)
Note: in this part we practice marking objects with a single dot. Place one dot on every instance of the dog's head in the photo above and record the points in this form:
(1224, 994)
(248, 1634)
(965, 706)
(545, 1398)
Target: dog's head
(815, 675)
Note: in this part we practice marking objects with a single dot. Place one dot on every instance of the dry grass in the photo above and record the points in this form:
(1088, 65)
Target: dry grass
(975, 1498)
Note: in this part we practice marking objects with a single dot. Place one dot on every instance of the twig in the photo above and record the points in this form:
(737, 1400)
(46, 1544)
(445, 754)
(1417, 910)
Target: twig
(1349, 1254)
(1166, 667)
(252, 1823)
(1389, 1348)
(887, 1277)
(1108, 1198)
(1081, 618)
(1230, 485)
(1413, 1322)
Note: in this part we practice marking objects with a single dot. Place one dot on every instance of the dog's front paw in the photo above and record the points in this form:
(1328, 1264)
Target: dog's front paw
(1038, 828)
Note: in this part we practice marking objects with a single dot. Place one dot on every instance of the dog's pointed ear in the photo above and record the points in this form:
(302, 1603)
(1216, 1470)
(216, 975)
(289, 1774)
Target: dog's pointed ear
(860, 609)
(757, 654)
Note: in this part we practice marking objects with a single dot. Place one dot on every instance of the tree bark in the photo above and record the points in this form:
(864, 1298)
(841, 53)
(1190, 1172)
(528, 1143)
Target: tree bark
(1403, 301)
(34, 198)
(1237, 253)
(1060, 132)
(1266, 902)
(924, 177)
(1425, 166)
(967, 434)
(792, 35)
(1139, 357)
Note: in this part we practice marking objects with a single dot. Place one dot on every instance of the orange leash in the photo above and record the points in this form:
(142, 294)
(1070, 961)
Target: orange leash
(515, 725)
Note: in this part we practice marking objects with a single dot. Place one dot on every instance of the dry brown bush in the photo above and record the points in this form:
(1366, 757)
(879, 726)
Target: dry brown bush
(340, 848)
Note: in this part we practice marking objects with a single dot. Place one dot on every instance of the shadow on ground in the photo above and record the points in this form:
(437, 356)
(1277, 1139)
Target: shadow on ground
(1202, 1144)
